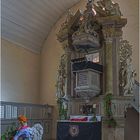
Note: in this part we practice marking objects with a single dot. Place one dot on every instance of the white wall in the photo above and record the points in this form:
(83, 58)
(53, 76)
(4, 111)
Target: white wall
(19, 74)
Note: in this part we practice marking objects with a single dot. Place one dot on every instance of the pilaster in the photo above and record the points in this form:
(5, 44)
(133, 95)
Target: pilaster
(112, 32)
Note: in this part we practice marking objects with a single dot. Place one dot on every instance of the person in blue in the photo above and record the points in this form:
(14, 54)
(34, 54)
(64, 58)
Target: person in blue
(24, 132)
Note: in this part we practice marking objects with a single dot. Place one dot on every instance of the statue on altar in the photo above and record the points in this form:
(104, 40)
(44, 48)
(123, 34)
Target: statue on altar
(127, 72)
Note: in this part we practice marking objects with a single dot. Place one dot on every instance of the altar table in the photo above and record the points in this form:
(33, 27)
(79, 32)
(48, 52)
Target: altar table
(67, 130)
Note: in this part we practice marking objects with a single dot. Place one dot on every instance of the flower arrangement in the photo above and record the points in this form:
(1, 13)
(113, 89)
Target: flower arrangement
(108, 112)
(10, 133)
(63, 109)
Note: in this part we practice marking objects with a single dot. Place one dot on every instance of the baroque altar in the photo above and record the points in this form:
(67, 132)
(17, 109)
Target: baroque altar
(96, 70)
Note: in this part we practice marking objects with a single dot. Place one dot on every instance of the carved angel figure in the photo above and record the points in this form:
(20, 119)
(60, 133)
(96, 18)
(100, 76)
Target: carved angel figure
(127, 72)
(130, 78)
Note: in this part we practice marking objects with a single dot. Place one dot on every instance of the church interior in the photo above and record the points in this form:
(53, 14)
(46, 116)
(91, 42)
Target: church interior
(69, 70)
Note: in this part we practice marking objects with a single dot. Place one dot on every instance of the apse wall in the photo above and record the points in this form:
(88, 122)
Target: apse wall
(52, 49)
(19, 74)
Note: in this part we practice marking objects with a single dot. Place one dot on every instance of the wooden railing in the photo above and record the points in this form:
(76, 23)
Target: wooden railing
(42, 114)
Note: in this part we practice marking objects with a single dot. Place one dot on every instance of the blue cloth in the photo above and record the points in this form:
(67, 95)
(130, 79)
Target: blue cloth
(25, 133)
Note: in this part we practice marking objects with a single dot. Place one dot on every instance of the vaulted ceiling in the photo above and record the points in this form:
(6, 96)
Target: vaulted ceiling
(28, 22)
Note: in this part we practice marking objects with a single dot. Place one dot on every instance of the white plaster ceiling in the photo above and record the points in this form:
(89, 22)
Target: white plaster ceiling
(28, 22)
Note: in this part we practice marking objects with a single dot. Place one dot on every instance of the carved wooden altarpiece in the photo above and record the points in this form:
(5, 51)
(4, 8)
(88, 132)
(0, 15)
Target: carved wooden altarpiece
(97, 62)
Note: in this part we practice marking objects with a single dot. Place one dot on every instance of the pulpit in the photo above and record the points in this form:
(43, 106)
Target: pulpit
(88, 78)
